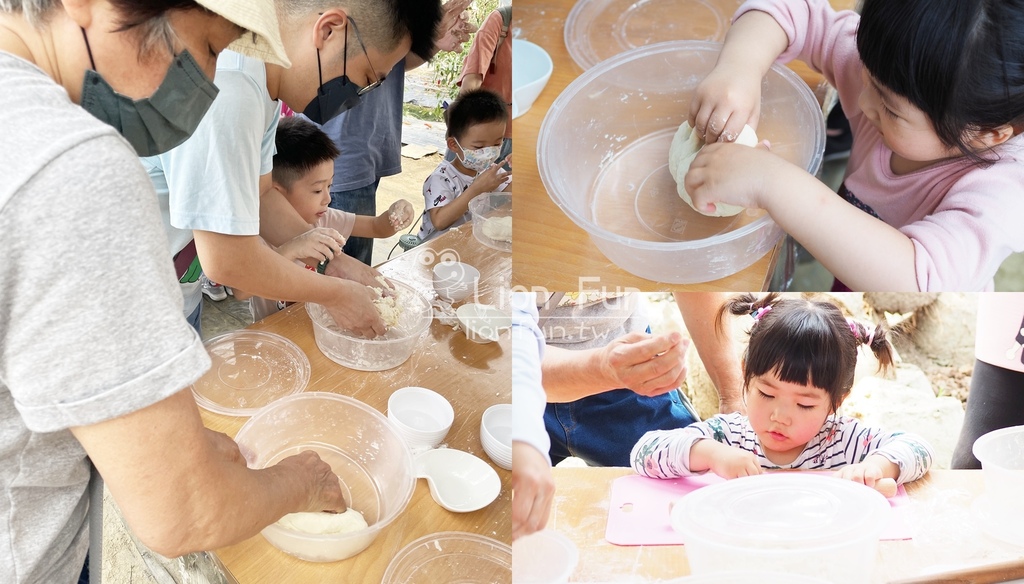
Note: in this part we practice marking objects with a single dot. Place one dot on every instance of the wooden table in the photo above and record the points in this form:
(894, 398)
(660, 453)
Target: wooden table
(939, 515)
(471, 376)
(547, 242)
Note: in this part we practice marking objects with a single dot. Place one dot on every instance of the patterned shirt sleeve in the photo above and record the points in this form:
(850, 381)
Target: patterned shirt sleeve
(908, 451)
(665, 454)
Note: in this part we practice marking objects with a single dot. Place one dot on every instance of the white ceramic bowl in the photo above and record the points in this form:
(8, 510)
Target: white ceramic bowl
(451, 556)
(455, 281)
(486, 210)
(384, 352)
(482, 323)
(422, 416)
(365, 451)
(602, 155)
(543, 557)
(531, 69)
(814, 525)
(496, 434)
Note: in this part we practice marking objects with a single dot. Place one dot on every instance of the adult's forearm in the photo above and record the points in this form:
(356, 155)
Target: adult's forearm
(715, 348)
(569, 375)
(279, 221)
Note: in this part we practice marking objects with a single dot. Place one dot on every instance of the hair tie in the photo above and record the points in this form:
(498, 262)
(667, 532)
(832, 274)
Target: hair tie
(856, 333)
(757, 314)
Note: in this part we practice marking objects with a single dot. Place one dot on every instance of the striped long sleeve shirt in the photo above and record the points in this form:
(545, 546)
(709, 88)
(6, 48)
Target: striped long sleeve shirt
(665, 454)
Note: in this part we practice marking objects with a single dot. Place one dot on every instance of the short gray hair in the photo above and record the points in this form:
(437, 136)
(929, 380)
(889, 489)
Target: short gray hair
(151, 34)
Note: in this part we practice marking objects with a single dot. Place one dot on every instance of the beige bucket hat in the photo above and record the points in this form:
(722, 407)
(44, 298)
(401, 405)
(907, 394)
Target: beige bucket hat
(259, 18)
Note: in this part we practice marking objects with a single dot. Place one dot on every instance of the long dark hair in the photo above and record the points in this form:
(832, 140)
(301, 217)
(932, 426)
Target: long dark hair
(809, 342)
(961, 62)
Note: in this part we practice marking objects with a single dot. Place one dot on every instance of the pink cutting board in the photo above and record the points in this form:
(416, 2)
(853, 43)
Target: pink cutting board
(639, 511)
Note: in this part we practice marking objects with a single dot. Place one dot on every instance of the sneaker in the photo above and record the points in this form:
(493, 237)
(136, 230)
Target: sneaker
(212, 290)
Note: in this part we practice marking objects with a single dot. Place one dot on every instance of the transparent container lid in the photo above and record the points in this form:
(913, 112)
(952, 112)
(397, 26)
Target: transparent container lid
(599, 29)
(783, 511)
(250, 370)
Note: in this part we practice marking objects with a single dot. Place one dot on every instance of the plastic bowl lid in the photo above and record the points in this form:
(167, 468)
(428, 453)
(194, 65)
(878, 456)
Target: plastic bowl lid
(600, 29)
(250, 369)
(451, 556)
(782, 511)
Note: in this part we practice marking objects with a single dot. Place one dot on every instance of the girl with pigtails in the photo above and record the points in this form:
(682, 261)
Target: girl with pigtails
(797, 370)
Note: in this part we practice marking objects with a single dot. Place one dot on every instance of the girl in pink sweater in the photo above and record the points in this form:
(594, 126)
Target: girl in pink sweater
(933, 197)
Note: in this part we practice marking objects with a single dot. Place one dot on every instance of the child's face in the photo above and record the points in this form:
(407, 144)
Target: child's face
(785, 415)
(311, 194)
(905, 129)
(480, 136)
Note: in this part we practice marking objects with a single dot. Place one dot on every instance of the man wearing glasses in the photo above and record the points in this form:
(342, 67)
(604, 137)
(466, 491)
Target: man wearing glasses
(212, 187)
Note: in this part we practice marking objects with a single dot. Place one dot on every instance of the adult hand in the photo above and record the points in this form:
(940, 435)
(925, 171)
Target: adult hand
(353, 310)
(533, 488)
(319, 244)
(348, 268)
(724, 101)
(732, 405)
(400, 214)
(323, 486)
(454, 28)
(647, 364)
(736, 175)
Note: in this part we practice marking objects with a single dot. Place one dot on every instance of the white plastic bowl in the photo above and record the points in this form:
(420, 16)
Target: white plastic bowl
(543, 557)
(482, 323)
(814, 525)
(490, 207)
(602, 155)
(496, 434)
(384, 352)
(451, 556)
(1000, 510)
(422, 416)
(373, 462)
(455, 281)
(531, 69)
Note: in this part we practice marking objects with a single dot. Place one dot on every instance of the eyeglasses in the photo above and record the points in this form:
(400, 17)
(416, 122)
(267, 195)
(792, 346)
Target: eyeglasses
(379, 80)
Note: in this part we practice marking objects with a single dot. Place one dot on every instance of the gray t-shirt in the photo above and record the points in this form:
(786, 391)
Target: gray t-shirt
(90, 314)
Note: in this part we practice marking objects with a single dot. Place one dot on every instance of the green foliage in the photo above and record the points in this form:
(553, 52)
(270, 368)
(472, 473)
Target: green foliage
(448, 66)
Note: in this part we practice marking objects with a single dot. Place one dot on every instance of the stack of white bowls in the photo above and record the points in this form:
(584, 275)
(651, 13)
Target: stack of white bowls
(496, 434)
(421, 416)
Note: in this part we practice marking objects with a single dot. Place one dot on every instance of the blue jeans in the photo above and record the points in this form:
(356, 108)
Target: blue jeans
(602, 429)
(362, 201)
(196, 318)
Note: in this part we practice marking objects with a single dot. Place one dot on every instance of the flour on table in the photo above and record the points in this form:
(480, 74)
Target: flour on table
(685, 146)
(498, 228)
(322, 523)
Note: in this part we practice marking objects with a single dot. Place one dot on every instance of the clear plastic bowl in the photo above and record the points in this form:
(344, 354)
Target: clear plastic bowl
(1001, 453)
(373, 462)
(814, 525)
(249, 370)
(602, 155)
(490, 207)
(451, 557)
(543, 557)
(384, 352)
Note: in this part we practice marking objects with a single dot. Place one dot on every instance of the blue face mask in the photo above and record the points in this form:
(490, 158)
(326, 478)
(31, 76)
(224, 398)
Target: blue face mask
(160, 122)
(338, 94)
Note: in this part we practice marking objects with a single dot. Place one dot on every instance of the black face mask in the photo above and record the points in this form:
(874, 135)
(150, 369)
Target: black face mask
(339, 94)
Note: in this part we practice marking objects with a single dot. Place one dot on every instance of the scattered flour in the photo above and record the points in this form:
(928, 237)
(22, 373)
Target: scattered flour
(685, 146)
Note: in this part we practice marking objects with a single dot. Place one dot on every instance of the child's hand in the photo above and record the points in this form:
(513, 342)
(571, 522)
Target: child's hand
(489, 180)
(737, 175)
(725, 100)
(319, 243)
(730, 463)
(400, 214)
(863, 473)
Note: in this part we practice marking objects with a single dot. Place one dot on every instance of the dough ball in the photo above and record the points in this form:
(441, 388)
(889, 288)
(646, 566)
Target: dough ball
(321, 523)
(498, 228)
(685, 146)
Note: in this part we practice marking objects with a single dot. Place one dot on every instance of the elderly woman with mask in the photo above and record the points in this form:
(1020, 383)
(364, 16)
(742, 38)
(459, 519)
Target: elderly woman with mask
(86, 86)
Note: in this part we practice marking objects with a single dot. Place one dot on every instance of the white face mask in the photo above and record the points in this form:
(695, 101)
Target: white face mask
(480, 159)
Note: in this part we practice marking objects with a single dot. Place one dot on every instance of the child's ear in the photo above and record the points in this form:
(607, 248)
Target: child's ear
(986, 139)
(450, 142)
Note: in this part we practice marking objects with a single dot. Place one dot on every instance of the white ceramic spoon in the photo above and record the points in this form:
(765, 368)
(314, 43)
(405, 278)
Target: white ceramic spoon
(458, 481)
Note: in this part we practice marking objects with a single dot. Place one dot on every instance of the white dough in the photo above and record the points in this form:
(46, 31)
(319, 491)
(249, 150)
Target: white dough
(389, 307)
(321, 523)
(498, 228)
(685, 146)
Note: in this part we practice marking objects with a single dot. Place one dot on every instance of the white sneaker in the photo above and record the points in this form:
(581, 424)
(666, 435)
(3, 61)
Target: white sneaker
(212, 290)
